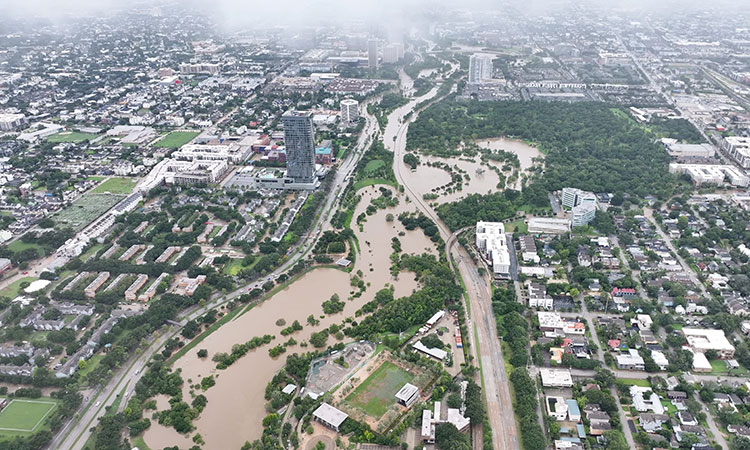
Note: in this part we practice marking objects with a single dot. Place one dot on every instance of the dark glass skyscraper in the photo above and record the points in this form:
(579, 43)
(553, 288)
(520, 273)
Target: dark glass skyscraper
(299, 138)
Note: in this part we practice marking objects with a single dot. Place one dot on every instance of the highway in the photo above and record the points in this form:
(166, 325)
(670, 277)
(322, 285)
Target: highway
(75, 433)
(483, 339)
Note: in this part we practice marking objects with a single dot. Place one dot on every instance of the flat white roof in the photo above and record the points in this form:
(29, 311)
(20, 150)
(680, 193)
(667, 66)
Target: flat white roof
(555, 377)
(406, 392)
(701, 339)
(330, 415)
(700, 362)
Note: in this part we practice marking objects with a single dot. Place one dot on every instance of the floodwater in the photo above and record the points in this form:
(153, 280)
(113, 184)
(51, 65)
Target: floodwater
(425, 179)
(235, 404)
(525, 152)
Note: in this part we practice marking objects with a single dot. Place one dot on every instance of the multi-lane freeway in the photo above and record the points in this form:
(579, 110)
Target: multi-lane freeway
(75, 433)
(484, 339)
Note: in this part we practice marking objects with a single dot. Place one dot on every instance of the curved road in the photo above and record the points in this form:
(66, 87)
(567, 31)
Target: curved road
(75, 433)
(482, 320)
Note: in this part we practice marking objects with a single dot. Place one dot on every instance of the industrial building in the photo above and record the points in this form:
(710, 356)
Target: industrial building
(493, 245)
(688, 151)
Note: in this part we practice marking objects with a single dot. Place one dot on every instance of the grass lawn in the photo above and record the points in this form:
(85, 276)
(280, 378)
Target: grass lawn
(91, 364)
(91, 252)
(18, 246)
(140, 443)
(522, 227)
(25, 415)
(116, 186)
(177, 139)
(372, 181)
(671, 409)
(376, 394)
(12, 290)
(374, 165)
(233, 267)
(635, 382)
(70, 136)
(677, 326)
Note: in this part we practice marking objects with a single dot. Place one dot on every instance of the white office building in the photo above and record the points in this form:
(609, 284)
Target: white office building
(582, 215)
(493, 244)
(349, 110)
(572, 197)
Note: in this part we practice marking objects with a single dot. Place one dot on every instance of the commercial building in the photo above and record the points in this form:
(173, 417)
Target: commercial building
(555, 377)
(711, 174)
(194, 69)
(10, 122)
(372, 53)
(407, 395)
(300, 145)
(492, 243)
(232, 152)
(582, 215)
(248, 178)
(329, 416)
(480, 68)
(738, 148)
(700, 341)
(548, 225)
(391, 53)
(572, 197)
(453, 416)
(349, 110)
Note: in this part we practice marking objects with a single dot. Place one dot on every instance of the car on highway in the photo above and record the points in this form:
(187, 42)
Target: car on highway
(97, 404)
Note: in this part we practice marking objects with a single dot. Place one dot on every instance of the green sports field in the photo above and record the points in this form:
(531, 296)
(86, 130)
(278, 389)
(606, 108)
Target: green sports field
(116, 186)
(377, 393)
(176, 139)
(25, 415)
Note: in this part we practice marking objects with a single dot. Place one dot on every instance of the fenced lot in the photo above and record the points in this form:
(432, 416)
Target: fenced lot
(25, 416)
(377, 393)
(85, 210)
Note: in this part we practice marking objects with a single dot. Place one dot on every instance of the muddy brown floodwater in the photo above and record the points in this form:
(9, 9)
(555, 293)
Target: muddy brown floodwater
(525, 152)
(236, 405)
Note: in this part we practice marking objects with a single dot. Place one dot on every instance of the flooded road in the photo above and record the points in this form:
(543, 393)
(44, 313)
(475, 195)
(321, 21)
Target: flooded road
(235, 404)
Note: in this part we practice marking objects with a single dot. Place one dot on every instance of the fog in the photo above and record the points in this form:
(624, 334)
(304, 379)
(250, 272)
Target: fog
(322, 12)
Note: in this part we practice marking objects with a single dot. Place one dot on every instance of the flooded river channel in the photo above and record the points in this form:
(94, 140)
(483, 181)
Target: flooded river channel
(235, 404)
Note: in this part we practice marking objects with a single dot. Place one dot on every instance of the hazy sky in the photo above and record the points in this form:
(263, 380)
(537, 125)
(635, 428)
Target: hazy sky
(250, 12)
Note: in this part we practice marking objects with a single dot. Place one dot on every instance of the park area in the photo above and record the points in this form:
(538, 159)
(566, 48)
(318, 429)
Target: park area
(24, 416)
(70, 137)
(85, 210)
(377, 393)
(176, 139)
(115, 186)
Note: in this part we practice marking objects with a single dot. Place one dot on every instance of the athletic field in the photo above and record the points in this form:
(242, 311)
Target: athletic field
(25, 415)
